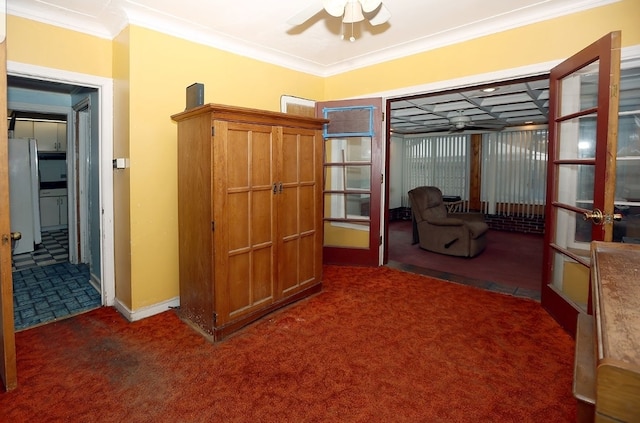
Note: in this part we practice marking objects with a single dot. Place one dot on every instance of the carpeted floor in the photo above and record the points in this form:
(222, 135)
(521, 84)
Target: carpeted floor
(510, 260)
(377, 345)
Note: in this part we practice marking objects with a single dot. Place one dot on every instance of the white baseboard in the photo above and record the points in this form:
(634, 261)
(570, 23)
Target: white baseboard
(145, 312)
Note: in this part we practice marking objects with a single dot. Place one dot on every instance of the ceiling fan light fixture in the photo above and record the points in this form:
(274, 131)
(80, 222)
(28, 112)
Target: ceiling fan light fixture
(460, 120)
(353, 12)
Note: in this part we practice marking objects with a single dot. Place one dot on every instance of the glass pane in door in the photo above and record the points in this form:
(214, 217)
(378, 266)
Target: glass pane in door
(627, 197)
(580, 90)
(571, 278)
(347, 191)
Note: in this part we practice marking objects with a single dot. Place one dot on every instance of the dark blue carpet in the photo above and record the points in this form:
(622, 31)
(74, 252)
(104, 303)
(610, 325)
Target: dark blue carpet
(46, 293)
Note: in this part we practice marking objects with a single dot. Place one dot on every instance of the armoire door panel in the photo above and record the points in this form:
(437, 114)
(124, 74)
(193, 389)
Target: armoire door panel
(261, 220)
(308, 159)
(290, 162)
(308, 218)
(239, 277)
(288, 212)
(261, 171)
(237, 153)
(262, 275)
(308, 246)
(289, 270)
(239, 221)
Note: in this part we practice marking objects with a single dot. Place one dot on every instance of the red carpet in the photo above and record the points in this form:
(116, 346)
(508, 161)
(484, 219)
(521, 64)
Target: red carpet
(377, 345)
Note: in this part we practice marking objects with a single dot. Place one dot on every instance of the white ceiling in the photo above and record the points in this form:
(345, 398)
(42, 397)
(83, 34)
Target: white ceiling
(259, 29)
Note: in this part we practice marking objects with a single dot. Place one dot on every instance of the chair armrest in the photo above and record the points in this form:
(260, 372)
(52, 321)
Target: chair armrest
(445, 221)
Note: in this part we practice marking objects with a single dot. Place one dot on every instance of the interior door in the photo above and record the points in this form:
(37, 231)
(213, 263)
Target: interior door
(8, 347)
(352, 181)
(583, 124)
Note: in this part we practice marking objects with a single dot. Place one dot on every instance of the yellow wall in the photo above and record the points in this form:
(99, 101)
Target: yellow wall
(122, 178)
(152, 70)
(555, 39)
(49, 46)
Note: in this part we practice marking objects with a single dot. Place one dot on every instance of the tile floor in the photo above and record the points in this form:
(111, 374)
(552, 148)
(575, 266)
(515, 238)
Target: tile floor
(46, 287)
(54, 249)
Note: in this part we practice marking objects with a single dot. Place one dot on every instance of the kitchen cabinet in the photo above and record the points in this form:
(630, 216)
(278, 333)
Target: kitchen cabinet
(51, 136)
(249, 212)
(53, 209)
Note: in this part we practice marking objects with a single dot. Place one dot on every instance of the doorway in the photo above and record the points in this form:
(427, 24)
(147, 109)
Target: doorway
(83, 236)
(468, 95)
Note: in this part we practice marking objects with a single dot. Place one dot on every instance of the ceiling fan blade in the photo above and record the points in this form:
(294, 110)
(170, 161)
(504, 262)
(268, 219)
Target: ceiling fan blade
(306, 14)
(334, 7)
(370, 5)
(487, 125)
(381, 17)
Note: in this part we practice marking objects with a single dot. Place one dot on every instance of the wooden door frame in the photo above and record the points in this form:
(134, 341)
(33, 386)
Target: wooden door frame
(563, 311)
(370, 256)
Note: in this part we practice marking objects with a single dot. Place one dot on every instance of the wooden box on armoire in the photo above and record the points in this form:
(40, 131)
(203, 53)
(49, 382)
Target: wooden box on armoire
(250, 214)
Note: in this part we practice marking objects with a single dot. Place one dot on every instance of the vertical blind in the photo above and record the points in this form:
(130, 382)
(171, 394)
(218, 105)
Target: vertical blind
(441, 161)
(513, 169)
(514, 172)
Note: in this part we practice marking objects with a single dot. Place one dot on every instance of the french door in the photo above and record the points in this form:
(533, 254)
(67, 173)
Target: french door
(583, 126)
(352, 181)
(7, 336)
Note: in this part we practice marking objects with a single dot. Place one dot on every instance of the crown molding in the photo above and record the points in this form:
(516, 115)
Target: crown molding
(111, 23)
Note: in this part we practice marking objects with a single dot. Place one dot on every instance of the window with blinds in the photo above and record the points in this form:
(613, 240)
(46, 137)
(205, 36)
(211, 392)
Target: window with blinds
(514, 172)
(441, 161)
(513, 169)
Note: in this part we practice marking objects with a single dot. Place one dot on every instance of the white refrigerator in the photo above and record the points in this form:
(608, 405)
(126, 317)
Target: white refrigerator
(24, 193)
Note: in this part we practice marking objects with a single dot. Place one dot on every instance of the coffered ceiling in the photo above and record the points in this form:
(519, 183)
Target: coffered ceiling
(479, 108)
(512, 104)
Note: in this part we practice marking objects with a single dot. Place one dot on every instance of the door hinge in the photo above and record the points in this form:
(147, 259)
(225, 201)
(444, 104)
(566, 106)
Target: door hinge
(380, 239)
(382, 178)
(213, 226)
(215, 318)
(213, 131)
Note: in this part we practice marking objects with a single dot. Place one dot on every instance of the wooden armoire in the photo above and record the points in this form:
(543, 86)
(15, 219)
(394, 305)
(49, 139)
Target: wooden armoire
(250, 214)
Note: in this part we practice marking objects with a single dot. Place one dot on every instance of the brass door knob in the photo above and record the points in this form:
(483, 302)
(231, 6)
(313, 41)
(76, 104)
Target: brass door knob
(595, 216)
(16, 236)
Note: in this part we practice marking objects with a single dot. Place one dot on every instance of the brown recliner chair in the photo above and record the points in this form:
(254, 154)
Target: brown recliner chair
(455, 234)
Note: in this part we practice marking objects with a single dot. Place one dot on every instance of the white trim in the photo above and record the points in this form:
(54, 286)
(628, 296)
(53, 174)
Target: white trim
(112, 19)
(105, 94)
(630, 58)
(144, 312)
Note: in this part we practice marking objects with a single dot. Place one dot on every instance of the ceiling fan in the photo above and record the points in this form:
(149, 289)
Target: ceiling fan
(350, 10)
(460, 122)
